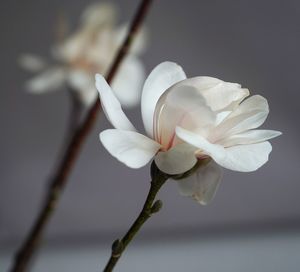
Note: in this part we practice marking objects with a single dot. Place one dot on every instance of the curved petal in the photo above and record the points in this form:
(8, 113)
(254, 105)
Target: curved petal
(250, 137)
(219, 95)
(131, 148)
(127, 84)
(182, 106)
(50, 80)
(242, 158)
(246, 158)
(203, 184)
(111, 106)
(160, 79)
(32, 63)
(253, 103)
(250, 114)
(177, 160)
(217, 152)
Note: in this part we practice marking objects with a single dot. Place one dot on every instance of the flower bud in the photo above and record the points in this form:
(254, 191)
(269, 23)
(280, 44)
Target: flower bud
(156, 206)
(117, 248)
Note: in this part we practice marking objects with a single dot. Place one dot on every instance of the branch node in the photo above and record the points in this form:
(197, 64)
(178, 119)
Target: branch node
(117, 248)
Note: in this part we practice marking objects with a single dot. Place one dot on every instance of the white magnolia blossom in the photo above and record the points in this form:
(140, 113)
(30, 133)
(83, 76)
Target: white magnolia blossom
(90, 50)
(189, 120)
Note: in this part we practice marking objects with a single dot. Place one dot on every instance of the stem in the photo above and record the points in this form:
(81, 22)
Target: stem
(149, 208)
(75, 113)
(58, 183)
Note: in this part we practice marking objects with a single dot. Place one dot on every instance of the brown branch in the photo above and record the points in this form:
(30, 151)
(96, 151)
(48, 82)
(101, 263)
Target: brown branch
(30, 245)
(76, 111)
(150, 207)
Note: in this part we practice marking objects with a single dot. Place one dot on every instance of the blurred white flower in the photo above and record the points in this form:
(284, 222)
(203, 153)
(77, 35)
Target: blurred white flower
(90, 50)
(200, 120)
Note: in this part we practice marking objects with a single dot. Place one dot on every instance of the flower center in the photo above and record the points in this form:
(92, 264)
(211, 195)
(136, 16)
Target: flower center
(181, 106)
(83, 64)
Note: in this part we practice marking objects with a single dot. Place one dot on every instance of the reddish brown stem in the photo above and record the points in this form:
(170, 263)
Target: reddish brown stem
(30, 245)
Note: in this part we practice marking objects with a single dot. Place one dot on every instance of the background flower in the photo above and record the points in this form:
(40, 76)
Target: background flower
(187, 121)
(88, 51)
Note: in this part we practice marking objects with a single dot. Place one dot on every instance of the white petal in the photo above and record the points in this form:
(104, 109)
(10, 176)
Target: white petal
(203, 184)
(250, 114)
(111, 105)
(183, 106)
(219, 95)
(255, 102)
(160, 79)
(71, 49)
(250, 137)
(80, 79)
(177, 160)
(246, 158)
(242, 158)
(98, 14)
(127, 84)
(217, 152)
(221, 116)
(101, 51)
(50, 80)
(32, 63)
(131, 148)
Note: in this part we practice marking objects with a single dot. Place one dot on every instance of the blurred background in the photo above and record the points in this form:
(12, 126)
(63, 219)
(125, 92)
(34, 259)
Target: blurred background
(253, 224)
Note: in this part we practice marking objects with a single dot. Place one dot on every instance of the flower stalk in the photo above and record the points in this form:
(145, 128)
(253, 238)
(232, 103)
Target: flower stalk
(150, 207)
(75, 113)
(30, 245)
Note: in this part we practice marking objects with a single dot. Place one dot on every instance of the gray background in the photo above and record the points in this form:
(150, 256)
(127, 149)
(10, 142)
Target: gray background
(255, 43)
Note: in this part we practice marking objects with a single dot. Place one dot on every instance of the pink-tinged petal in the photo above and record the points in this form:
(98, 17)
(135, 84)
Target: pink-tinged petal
(250, 137)
(219, 95)
(203, 184)
(128, 82)
(217, 152)
(242, 158)
(250, 114)
(50, 80)
(182, 106)
(177, 160)
(160, 79)
(111, 106)
(131, 148)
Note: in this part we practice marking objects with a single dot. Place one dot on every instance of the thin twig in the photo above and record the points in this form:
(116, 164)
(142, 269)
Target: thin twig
(29, 246)
(75, 113)
(149, 208)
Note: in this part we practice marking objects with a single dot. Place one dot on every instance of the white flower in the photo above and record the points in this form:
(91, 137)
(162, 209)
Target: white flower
(90, 50)
(188, 120)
